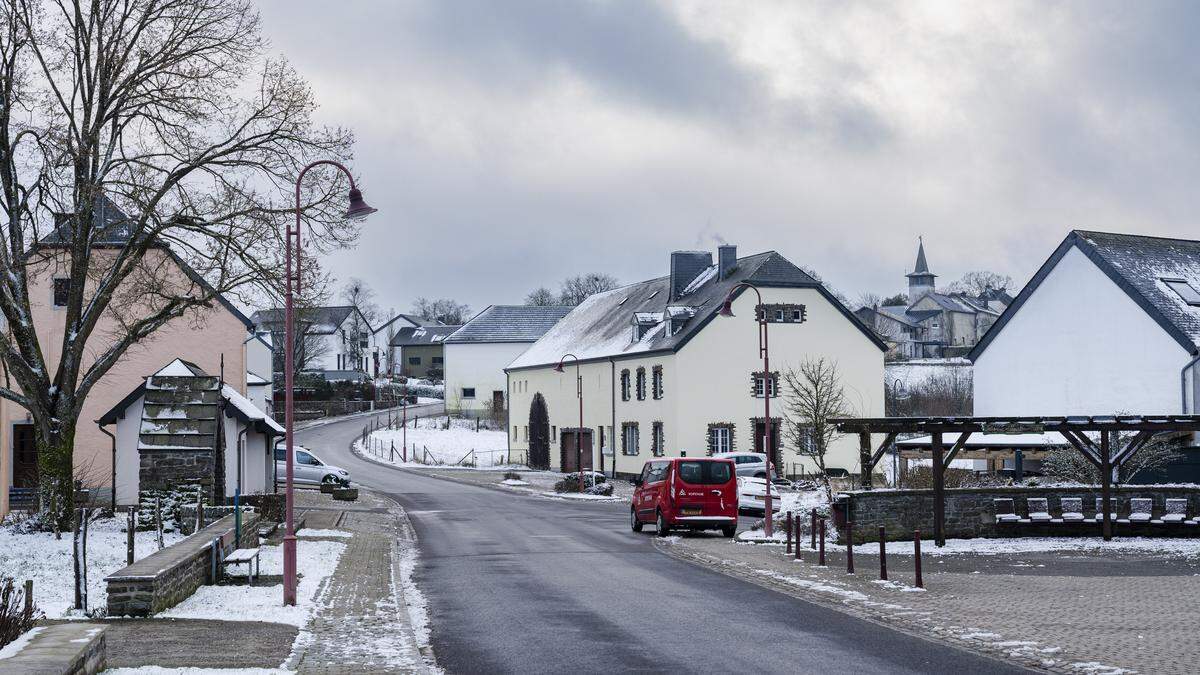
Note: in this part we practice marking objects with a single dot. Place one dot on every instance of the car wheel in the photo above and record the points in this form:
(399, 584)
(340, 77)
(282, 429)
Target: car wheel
(331, 479)
(661, 524)
(761, 474)
(728, 531)
(634, 523)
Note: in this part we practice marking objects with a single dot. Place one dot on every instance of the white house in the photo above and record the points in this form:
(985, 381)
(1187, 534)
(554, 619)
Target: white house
(475, 355)
(184, 426)
(1110, 323)
(260, 370)
(338, 339)
(383, 355)
(662, 375)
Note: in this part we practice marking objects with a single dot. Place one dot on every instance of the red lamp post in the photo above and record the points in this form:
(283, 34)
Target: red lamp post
(579, 430)
(357, 209)
(727, 310)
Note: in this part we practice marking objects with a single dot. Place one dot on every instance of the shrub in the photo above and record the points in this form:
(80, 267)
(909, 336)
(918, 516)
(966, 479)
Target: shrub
(13, 622)
(593, 484)
(920, 477)
(512, 475)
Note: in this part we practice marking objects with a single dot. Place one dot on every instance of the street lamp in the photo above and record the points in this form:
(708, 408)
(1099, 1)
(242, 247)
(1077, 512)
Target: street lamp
(357, 209)
(727, 310)
(579, 430)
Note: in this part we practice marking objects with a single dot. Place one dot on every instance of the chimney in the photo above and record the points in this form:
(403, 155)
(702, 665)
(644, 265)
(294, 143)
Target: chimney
(686, 266)
(726, 260)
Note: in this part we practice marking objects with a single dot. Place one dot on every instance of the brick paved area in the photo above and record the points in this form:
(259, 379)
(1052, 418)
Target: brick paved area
(1061, 612)
(362, 622)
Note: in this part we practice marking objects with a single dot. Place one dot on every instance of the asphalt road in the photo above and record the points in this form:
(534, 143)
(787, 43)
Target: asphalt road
(525, 584)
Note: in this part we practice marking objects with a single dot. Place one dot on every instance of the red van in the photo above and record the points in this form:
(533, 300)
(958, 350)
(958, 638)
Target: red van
(695, 493)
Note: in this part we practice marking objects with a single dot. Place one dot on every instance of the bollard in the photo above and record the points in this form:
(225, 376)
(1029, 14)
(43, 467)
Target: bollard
(882, 555)
(917, 556)
(814, 528)
(28, 599)
(789, 533)
(797, 537)
(821, 551)
(129, 538)
(849, 547)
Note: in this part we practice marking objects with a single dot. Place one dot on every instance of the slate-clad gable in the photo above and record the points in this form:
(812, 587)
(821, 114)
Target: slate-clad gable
(509, 323)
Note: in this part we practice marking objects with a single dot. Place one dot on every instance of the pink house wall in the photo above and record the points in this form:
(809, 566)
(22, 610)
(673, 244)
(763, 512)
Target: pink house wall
(202, 337)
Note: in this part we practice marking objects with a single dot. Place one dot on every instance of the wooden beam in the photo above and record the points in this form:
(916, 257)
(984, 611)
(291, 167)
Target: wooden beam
(1139, 441)
(958, 445)
(887, 442)
(865, 465)
(1106, 482)
(939, 491)
(1084, 445)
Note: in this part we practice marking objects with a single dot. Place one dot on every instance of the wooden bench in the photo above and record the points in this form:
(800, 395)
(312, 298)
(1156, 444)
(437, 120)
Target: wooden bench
(247, 557)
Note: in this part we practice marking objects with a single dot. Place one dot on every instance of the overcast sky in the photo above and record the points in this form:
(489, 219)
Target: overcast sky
(510, 144)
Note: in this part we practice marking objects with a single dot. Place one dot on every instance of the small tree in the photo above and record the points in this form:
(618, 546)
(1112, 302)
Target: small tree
(539, 433)
(445, 311)
(974, 283)
(359, 296)
(541, 297)
(577, 289)
(813, 397)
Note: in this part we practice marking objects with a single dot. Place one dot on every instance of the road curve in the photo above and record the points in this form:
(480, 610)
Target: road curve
(520, 584)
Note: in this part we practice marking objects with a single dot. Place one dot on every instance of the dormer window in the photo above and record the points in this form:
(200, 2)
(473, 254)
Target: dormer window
(1184, 290)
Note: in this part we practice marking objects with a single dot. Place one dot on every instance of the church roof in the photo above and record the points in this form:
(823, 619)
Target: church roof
(921, 269)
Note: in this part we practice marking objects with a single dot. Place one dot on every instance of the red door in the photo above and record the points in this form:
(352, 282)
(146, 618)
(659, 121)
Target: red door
(760, 431)
(25, 465)
(569, 457)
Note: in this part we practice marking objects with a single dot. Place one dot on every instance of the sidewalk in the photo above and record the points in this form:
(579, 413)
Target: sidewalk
(364, 622)
(1058, 611)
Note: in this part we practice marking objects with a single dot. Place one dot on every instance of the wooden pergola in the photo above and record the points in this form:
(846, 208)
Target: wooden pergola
(1105, 455)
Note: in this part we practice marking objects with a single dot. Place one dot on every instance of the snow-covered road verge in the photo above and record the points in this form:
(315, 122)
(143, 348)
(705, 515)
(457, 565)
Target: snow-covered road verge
(429, 443)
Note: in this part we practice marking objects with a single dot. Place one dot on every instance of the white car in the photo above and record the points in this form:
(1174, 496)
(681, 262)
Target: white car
(752, 496)
(748, 463)
(307, 468)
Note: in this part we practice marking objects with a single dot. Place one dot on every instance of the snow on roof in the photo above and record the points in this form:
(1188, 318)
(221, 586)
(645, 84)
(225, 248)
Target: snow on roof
(255, 380)
(1045, 439)
(509, 323)
(180, 368)
(250, 411)
(424, 335)
(704, 277)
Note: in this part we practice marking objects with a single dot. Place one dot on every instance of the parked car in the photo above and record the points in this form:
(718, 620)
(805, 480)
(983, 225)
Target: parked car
(749, 463)
(752, 496)
(307, 468)
(687, 493)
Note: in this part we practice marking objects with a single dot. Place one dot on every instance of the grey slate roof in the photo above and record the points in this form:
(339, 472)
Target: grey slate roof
(509, 323)
(602, 326)
(921, 268)
(323, 320)
(406, 321)
(1137, 264)
(411, 336)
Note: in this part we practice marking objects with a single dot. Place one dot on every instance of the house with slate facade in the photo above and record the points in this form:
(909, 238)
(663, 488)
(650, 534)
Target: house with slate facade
(663, 376)
(417, 351)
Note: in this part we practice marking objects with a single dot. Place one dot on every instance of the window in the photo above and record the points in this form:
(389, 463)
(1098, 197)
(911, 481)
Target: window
(437, 360)
(779, 316)
(808, 442)
(629, 438)
(655, 472)
(1182, 288)
(657, 442)
(526, 430)
(758, 382)
(641, 384)
(785, 313)
(515, 438)
(363, 344)
(624, 385)
(797, 315)
(720, 437)
(554, 431)
(414, 360)
(705, 473)
(307, 459)
(656, 382)
(62, 292)
(468, 392)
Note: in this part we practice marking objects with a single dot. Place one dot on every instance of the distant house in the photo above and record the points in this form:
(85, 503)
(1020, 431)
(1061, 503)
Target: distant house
(383, 355)
(477, 353)
(183, 426)
(933, 324)
(337, 338)
(1110, 323)
(663, 376)
(418, 351)
(211, 337)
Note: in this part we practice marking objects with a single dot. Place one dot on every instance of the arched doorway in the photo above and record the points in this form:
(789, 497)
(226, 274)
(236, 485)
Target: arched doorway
(539, 433)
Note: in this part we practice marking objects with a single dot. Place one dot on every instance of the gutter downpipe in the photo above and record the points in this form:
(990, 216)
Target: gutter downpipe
(108, 433)
(1183, 382)
(612, 430)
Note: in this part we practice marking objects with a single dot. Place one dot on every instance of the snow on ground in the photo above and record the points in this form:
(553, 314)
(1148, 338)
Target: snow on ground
(13, 648)
(306, 532)
(584, 497)
(429, 443)
(315, 561)
(39, 556)
(159, 670)
(1163, 546)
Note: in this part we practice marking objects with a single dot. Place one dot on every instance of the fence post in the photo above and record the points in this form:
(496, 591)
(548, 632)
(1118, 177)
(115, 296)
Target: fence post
(849, 547)
(129, 538)
(199, 510)
(882, 554)
(789, 533)
(393, 455)
(821, 554)
(813, 530)
(215, 548)
(83, 559)
(917, 557)
(28, 599)
(75, 559)
(158, 521)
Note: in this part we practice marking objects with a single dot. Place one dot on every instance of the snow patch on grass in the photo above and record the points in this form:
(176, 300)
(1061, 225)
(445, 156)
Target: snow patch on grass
(429, 442)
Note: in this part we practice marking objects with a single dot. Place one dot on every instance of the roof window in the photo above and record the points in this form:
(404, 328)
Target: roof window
(1184, 290)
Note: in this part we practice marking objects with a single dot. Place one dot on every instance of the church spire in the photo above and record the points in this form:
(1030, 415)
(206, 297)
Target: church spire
(922, 267)
(920, 280)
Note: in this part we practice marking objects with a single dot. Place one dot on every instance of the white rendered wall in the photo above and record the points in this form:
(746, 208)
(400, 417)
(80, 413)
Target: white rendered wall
(1079, 346)
(478, 365)
(128, 460)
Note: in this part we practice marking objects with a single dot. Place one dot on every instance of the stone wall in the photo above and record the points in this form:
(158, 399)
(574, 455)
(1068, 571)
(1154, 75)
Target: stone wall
(165, 578)
(971, 513)
(71, 647)
(166, 469)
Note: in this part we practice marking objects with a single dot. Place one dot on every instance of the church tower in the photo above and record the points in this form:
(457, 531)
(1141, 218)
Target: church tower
(920, 280)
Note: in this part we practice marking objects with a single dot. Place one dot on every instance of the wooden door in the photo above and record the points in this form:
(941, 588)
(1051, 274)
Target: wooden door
(25, 465)
(569, 458)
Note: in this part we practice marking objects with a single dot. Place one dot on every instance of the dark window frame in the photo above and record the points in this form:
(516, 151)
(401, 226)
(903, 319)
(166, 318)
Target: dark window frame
(757, 382)
(625, 384)
(627, 427)
(656, 382)
(710, 437)
(658, 441)
(61, 291)
(785, 313)
(640, 384)
(470, 389)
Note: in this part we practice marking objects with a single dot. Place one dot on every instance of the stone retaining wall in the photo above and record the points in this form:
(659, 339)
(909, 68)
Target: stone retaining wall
(971, 513)
(72, 647)
(165, 578)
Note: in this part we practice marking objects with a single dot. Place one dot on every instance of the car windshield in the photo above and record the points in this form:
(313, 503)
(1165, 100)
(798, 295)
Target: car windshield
(705, 473)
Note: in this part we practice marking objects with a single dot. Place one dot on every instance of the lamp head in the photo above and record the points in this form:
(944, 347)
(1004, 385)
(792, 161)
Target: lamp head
(559, 368)
(726, 308)
(358, 207)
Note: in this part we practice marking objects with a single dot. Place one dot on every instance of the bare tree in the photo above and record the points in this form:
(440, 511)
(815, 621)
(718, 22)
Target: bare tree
(1067, 464)
(813, 397)
(577, 289)
(541, 297)
(870, 300)
(895, 300)
(974, 283)
(445, 310)
(169, 111)
(365, 313)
